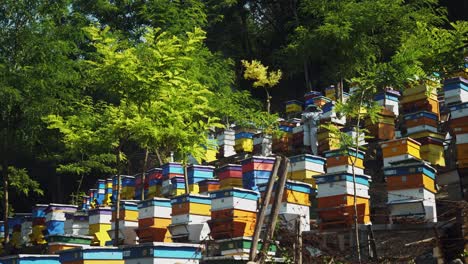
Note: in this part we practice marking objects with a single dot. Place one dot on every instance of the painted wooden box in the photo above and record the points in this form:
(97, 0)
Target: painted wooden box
(408, 176)
(418, 210)
(196, 173)
(191, 204)
(306, 162)
(76, 224)
(128, 211)
(422, 118)
(55, 218)
(229, 171)
(163, 253)
(234, 198)
(339, 208)
(459, 111)
(339, 160)
(428, 104)
(389, 99)
(240, 246)
(126, 232)
(293, 106)
(190, 232)
(208, 185)
(30, 259)
(92, 255)
(295, 192)
(230, 183)
(62, 242)
(231, 227)
(154, 208)
(172, 169)
(173, 187)
(456, 90)
(400, 149)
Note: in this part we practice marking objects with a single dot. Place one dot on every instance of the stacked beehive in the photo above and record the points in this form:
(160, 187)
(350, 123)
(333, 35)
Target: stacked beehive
(226, 143)
(55, 218)
(293, 107)
(173, 179)
(229, 175)
(99, 223)
(421, 108)
(295, 204)
(92, 194)
(128, 222)
(244, 140)
(26, 229)
(233, 218)
(335, 195)
(77, 223)
(256, 170)
(208, 185)
(304, 167)
(163, 253)
(100, 187)
(456, 93)
(127, 191)
(57, 243)
(15, 224)
(411, 191)
(384, 127)
(197, 173)
(108, 194)
(283, 143)
(211, 150)
(94, 255)
(263, 144)
(399, 150)
(309, 98)
(38, 224)
(154, 179)
(389, 99)
(154, 218)
(140, 186)
(85, 203)
(329, 117)
(190, 215)
(27, 258)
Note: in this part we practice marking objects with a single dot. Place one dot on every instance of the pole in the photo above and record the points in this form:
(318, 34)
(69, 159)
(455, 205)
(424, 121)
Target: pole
(270, 230)
(372, 243)
(117, 203)
(263, 209)
(187, 190)
(298, 240)
(143, 175)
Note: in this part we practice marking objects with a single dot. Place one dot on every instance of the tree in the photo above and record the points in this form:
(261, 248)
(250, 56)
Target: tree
(257, 72)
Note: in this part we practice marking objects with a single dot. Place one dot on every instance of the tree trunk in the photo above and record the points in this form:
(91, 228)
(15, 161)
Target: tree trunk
(268, 100)
(143, 175)
(117, 202)
(187, 190)
(5, 198)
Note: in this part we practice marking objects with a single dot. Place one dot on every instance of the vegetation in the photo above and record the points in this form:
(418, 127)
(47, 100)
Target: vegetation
(87, 84)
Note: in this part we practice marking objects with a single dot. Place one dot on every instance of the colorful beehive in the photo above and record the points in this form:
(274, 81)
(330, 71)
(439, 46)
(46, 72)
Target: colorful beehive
(256, 170)
(190, 214)
(353, 134)
(309, 96)
(335, 199)
(208, 185)
(411, 191)
(99, 223)
(26, 229)
(100, 187)
(240, 246)
(108, 193)
(244, 140)
(197, 173)
(57, 243)
(171, 170)
(399, 150)
(77, 223)
(326, 139)
(341, 160)
(229, 175)
(38, 224)
(211, 149)
(233, 213)
(295, 204)
(329, 114)
(389, 99)
(226, 143)
(263, 144)
(128, 222)
(127, 187)
(85, 203)
(154, 218)
(15, 233)
(293, 106)
(384, 127)
(456, 90)
(55, 217)
(30, 259)
(154, 179)
(163, 253)
(304, 167)
(92, 255)
(420, 98)
(432, 150)
(92, 194)
(173, 187)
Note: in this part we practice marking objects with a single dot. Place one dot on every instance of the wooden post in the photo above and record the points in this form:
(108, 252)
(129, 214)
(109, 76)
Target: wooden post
(270, 230)
(372, 242)
(143, 175)
(187, 190)
(263, 209)
(117, 200)
(298, 240)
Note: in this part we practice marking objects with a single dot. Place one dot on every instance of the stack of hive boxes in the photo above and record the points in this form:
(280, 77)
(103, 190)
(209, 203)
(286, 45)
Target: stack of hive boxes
(127, 187)
(208, 185)
(55, 218)
(99, 223)
(108, 193)
(229, 175)
(389, 99)
(94, 255)
(100, 187)
(77, 223)
(256, 170)
(421, 108)
(173, 179)
(335, 195)
(128, 222)
(457, 92)
(197, 173)
(293, 107)
(304, 167)
(76, 231)
(384, 127)
(154, 179)
(226, 143)
(154, 218)
(283, 143)
(211, 149)
(233, 219)
(26, 229)
(140, 186)
(326, 139)
(163, 253)
(244, 140)
(15, 223)
(411, 191)
(28, 258)
(190, 215)
(309, 98)
(295, 204)
(85, 203)
(92, 194)
(38, 224)
(263, 144)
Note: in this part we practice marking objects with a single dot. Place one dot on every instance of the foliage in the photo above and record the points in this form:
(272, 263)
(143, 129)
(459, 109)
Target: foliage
(257, 72)
(22, 183)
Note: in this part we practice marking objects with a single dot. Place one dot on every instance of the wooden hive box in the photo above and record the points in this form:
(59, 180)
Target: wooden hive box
(428, 104)
(230, 183)
(163, 253)
(240, 246)
(341, 159)
(409, 196)
(459, 111)
(30, 259)
(229, 171)
(92, 255)
(342, 184)
(400, 149)
(293, 106)
(456, 90)
(191, 204)
(208, 185)
(196, 173)
(234, 198)
(128, 211)
(154, 217)
(339, 210)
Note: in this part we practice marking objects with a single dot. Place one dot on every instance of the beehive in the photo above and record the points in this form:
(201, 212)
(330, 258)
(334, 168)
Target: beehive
(240, 246)
(389, 99)
(154, 179)
(309, 96)
(128, 222)
(55, 217)
(57, 243)
(456, 90)
(226, 141)
(190, 213)
(173, 186)
(76, 223)
(329, 114)
(304, 167)
(154, 217)
(171, 170)
(28, 259)
(163, 253)
(208, 185)
(99, 223)
(92, 255)
(38, 224)
(127, 187)
(256, 170)
(243, 141)
(400, 149)
(342, 160)
(293, 106)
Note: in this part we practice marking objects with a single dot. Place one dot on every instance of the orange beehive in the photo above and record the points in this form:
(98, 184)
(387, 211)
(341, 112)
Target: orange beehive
(331, 208)
(420, 122)
(229, 229)
(382, 131)
(429, 104)
(344, 160)
(404, 182)
(236, 214)
(401, 146)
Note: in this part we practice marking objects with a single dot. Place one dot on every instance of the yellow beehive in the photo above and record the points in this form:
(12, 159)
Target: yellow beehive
(419, 89)
(304, 175)
(401, 146)
(230, 182)
(293, 108)
(244, 145)
(194, 188)
(433, 153)
(296, 197)
(210, 155)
